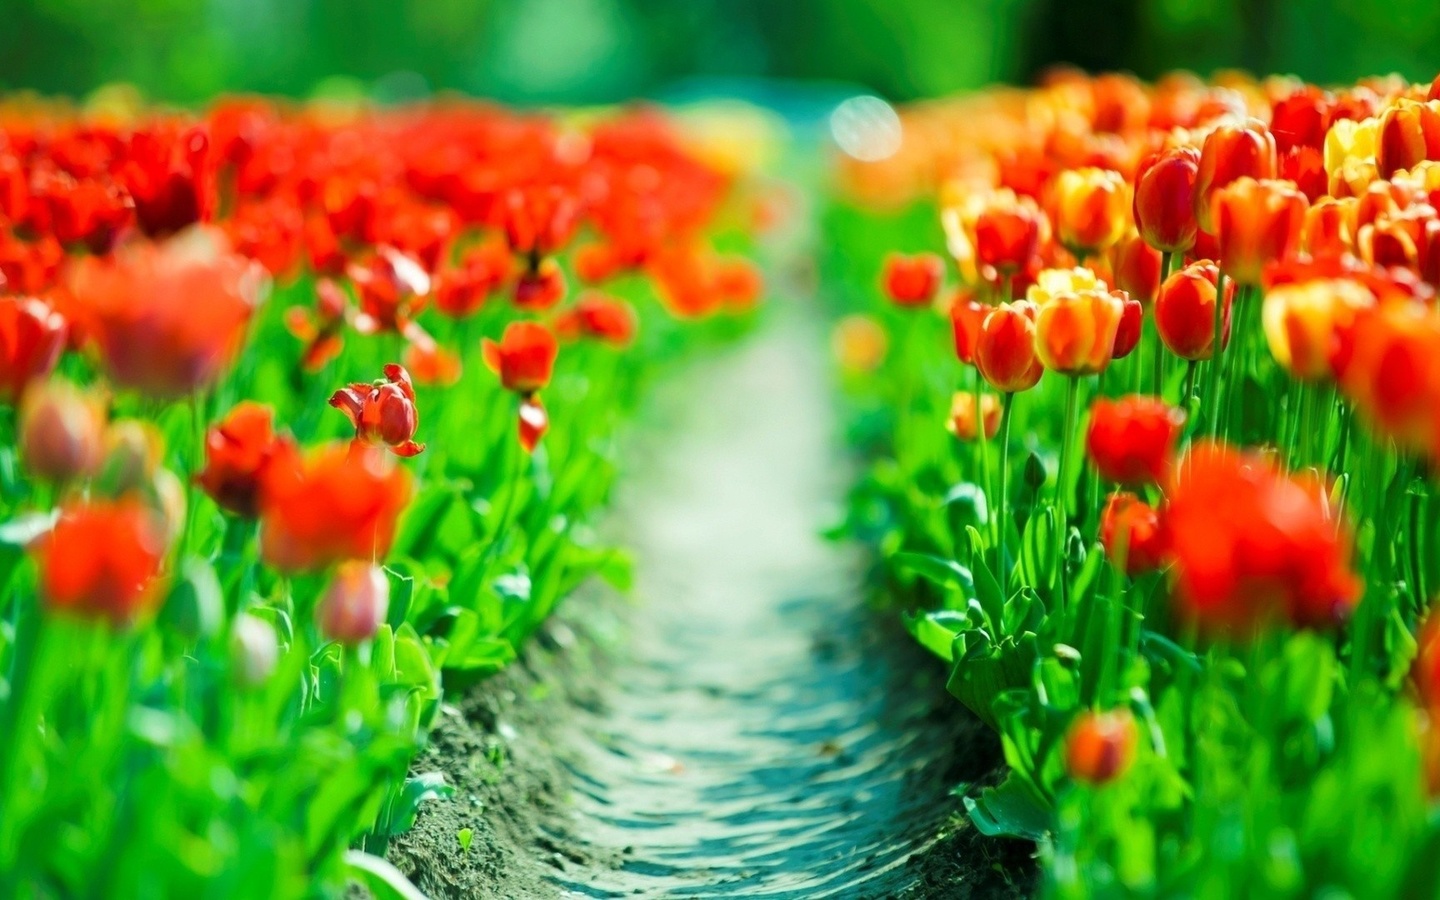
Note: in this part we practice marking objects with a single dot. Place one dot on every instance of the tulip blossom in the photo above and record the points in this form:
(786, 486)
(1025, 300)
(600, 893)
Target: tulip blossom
(1100, 747)
(913, 280)
(964, 421)
(1231, 152)
(1005, 350)
(1185, 311)
(1251, 544)
(337, 503)
(1407, 134)
(1008, 234)
(1136, 268)
(169, 177)
(1330, 227)
(140, 308)
(1393, 374)
(533, 421)
(1307, 324)
(540, 289)
(383, 412)
(238, 453)
(1075, 332)
(603, 318)
(1164, 205)
(101, 561)
(391, 288)
(1091, 209)
(32, 336)
(461, 291)
(1132, 440)
(524, 358)
(61, 432)
(859, 344)
(1257, 222)
(967, 315)
(1131, 523)
(1127, 332)
(353, 607)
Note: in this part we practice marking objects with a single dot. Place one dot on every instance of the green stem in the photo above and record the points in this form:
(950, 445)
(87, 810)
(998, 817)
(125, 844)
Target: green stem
(1072, 391)
(985, 473)
(1217, 356)
(1002, 510)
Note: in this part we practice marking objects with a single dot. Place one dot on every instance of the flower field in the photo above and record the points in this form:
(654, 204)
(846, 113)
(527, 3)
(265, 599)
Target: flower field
(1186, 578)
(307, 414)
(311, 414)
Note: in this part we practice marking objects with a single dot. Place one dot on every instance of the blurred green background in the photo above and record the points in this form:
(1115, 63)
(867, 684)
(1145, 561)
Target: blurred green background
(584, 51)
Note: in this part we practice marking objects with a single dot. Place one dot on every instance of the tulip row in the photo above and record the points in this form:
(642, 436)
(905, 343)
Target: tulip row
(236, 576)
(1202, 316)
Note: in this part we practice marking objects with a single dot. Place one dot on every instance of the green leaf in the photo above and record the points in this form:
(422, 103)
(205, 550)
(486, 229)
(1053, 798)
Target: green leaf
(20, 531)
(1011, 809)
(406, 806)
(936, 631)
(379, 877)
(945, 572)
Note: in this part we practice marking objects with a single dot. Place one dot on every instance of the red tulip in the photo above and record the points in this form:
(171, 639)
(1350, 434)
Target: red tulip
(238, 453)
(1136, 268)
(101, 561)
(1008, 236)
(967, 317)
(1185, 311)
(169, 318)
(340, 502)
(1132, 440)
(1409, 133)
(1231, 152)
(32, 335)
(533, 422)
(1127, 333)
(1251, 545)
(1130, 521)
(541, 289)
(383, 412)
(1005, 349)
(524, 358)
(604, 318)
(913, 280)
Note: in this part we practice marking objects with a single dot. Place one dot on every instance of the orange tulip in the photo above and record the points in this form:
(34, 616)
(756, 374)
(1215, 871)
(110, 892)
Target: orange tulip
(1005, 350)
(1231, 152)
(1185, 311)
(1330, 227)
(335, 504)
(1100, 747)
(1393, 374)
(541, 289)
(1306, 322)
(524, 358)
(168, 318)
(1075, 332)
(1136, 266)
(101, 561)
(1008, 235)
(859, 344)
(964, 422)
(967, 315)
(1092, 209)
(1257, 222)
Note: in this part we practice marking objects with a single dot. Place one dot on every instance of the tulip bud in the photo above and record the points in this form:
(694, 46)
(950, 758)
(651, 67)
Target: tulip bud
(1127, 333)
(1132, 523)
(1132, 440)
(1005, 349)
(133, 450)
(913, 280)
(859, 344)
(1090, 209)
(534, 421)
(1257, 222)
(254, 650)
(1100, 747)
(1164, 206)
(1231, 152)
(32, 335)
(1185, 311)
(967, 316)
(1304, 323)
(1136, 267)
(1408, 133)
(355, 604)
(1330, 227)
(61, 432)
(1008, 234)
(963, 418)
(524, 357)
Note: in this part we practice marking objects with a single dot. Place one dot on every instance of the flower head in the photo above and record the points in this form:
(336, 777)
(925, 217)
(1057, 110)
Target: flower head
(383, 412)
(1132, 440)
(238, 453)
(524, 358)
(101, 560)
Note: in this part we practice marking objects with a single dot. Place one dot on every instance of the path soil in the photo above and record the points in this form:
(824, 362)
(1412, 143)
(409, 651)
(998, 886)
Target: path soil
(748, 727)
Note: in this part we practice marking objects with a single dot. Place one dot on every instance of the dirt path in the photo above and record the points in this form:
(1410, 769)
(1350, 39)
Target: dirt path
(757, 738)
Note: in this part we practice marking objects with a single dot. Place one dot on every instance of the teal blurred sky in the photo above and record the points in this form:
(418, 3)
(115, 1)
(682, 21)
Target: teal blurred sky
(603, 50)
